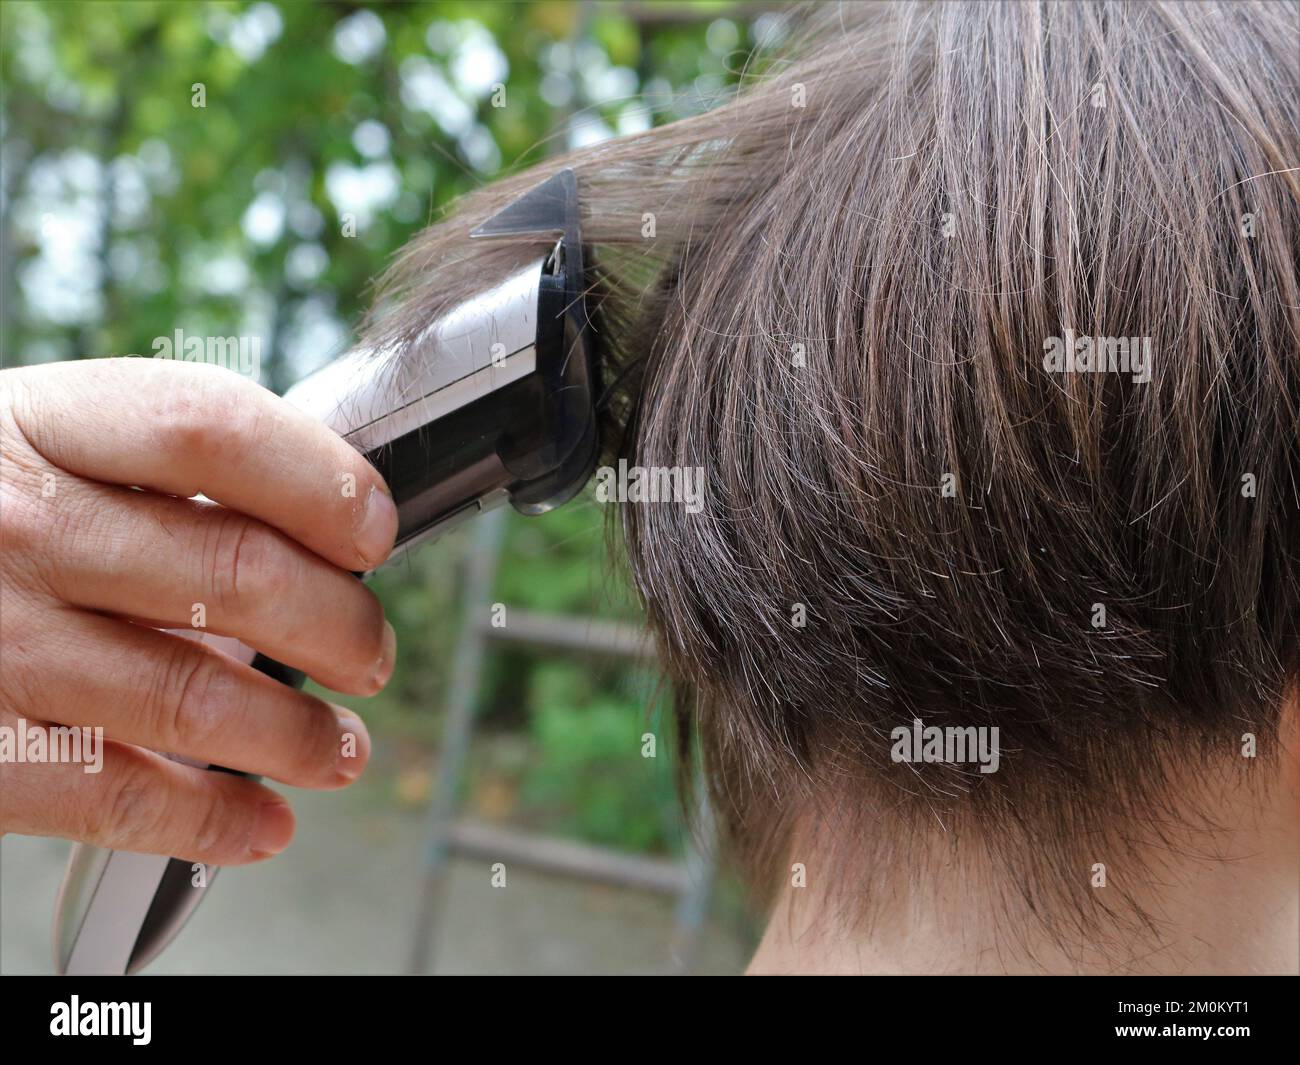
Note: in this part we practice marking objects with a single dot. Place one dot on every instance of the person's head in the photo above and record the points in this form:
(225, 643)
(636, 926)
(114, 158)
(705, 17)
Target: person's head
(982, 322)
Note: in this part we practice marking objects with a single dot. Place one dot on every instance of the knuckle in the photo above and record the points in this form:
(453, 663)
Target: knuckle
(133, 813)
(215, 823)
(204, 414)
(186, 422)
(30, 516)
(25, 663)
(67, 527)
(25, 529)
(232, 562)
(44, 511)
(249, 569)
(195, 692)
(23, 419)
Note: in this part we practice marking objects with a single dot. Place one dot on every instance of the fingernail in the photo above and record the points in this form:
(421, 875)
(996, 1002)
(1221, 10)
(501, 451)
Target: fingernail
(354, 745)
(387, 658)
(378, 528)
(272, 829)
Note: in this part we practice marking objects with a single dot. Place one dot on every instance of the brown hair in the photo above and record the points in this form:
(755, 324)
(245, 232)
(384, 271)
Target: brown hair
(842, 318)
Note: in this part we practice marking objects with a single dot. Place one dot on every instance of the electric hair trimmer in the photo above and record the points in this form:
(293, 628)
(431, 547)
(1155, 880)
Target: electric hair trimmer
(494, 402)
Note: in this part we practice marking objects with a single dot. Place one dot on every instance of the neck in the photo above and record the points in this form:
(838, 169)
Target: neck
(1229, 904)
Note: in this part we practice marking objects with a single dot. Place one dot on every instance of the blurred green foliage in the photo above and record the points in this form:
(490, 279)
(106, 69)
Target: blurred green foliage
(329, 134)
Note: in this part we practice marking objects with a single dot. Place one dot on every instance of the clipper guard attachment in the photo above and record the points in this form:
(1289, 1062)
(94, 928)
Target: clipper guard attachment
(566, 362)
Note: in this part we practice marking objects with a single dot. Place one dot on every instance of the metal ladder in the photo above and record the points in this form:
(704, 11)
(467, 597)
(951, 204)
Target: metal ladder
(689, 881)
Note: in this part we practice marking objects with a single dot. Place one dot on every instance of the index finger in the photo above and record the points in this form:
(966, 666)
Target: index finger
(189, 428)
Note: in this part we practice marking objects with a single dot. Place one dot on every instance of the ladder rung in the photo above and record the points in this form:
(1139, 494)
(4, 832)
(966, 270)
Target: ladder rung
(566, 857)
(616, 639)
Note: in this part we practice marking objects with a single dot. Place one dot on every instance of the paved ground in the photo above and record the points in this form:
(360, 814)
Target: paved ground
(343, 898)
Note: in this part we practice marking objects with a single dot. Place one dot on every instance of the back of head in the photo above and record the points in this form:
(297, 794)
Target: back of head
(982, 322)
